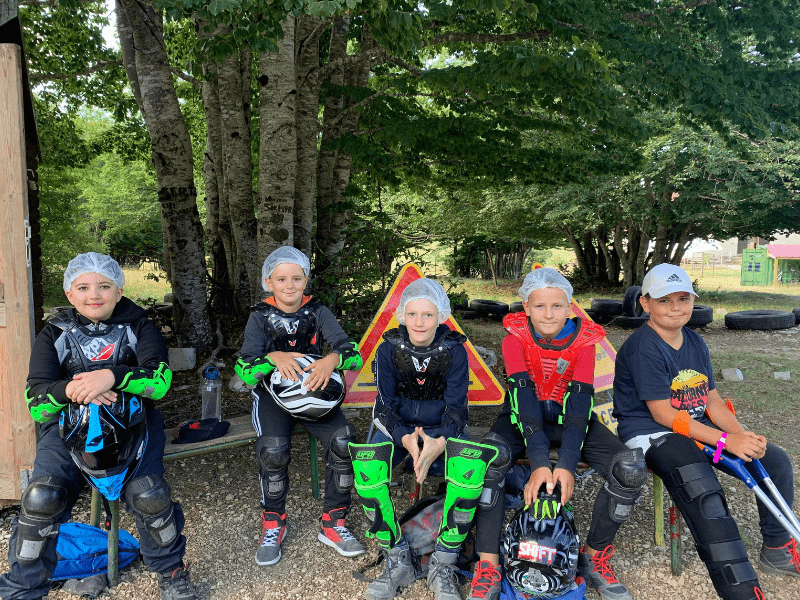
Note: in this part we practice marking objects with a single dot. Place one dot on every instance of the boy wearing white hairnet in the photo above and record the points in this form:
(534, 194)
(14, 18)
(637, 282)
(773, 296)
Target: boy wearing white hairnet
(92, 354)
(422, 375)
(549, 361)
(285, 326)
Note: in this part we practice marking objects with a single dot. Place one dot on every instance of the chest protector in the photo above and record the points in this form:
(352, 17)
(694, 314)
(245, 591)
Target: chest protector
(92, 349)
(423, 371)
(551, 366)
(292, 332)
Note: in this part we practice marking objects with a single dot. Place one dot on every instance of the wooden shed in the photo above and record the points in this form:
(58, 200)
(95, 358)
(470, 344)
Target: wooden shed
(20, 255)
(787, 262)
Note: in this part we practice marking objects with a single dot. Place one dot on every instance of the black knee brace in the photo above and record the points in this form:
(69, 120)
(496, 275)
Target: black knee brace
(150, 499)
(495, 479)
(43, 502)
(338, 458)
(699, 496)
(626, 475)
(274, 455)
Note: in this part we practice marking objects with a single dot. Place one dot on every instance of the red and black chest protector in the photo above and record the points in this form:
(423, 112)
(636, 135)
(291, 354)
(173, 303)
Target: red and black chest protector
(550, 366)
(292, 332)
(93, 347)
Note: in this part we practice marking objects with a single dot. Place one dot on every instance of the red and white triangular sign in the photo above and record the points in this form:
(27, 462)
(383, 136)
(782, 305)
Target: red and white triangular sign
(484, 389)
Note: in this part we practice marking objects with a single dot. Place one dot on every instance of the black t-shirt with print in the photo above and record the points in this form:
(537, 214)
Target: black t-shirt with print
(647, 368)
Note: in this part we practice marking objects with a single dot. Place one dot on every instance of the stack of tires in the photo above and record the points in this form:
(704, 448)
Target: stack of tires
(489, 309)
(629, 314)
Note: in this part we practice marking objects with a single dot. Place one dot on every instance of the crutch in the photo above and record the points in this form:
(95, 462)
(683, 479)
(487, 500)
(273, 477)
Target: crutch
(782, 512)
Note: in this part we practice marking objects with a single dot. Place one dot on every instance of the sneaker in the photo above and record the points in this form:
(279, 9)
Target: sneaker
(781, 561)
(398, 571)
(272, 536)
(597, 571)
(175, 585)
(442, 577)
(486, 582)
(337, 536)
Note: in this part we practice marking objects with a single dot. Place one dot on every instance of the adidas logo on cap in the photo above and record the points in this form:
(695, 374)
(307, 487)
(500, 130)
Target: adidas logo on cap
(674, 278)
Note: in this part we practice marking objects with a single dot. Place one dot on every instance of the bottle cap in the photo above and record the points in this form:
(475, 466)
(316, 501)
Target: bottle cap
(211, 373)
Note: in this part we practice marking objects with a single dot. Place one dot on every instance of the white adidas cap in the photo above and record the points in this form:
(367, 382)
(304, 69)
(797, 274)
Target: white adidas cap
(665, 279)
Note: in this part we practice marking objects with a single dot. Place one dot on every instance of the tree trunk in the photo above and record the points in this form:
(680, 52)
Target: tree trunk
(234, 100)
(309, 29)
(278, 145)
(172, 157)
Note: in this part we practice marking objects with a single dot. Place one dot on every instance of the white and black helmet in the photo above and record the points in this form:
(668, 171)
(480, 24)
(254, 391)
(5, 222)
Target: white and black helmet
(297, 400)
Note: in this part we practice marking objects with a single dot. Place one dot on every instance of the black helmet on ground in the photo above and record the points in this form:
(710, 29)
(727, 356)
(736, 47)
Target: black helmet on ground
(296, 399)
(106, 442)
(541, 548)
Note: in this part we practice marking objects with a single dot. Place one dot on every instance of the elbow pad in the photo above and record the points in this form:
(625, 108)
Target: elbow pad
(680, 423)
(253, 372)
(349, 357)
(139, 381)
(42, 407)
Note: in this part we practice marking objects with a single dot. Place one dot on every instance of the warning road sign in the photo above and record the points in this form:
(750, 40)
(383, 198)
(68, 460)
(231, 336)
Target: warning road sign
(484, 389)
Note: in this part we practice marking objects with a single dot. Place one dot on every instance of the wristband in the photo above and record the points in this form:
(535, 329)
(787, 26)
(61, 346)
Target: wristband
(680, 423)
(721, 443)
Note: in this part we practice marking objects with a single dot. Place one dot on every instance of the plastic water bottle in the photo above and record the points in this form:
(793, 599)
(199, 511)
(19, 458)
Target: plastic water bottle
(211, 392)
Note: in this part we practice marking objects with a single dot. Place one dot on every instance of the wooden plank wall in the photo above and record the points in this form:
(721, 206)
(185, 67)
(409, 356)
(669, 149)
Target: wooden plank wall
(17, 432)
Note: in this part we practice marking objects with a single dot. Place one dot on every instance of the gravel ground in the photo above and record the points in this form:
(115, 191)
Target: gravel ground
(219, 494)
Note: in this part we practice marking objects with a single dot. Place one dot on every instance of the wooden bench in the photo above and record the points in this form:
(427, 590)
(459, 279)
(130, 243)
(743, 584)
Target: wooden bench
(240, 433)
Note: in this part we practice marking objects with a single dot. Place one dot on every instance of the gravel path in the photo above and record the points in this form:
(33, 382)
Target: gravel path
(219, 494)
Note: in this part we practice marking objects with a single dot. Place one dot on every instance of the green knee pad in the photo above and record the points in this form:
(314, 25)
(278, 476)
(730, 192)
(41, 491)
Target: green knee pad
(465, 467)
(372, 466)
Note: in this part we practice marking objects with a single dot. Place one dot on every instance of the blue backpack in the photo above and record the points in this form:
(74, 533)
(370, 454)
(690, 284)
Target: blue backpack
(83, 551)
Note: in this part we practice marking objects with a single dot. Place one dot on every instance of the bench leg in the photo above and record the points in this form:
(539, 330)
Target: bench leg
(658, 510)
(314, 458)
(113, 545)
(97, 509)
(676, 551)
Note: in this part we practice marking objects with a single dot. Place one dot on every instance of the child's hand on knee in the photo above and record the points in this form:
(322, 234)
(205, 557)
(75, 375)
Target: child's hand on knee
(541, 476)
(746, 445)
(286, 364)
(321, 371)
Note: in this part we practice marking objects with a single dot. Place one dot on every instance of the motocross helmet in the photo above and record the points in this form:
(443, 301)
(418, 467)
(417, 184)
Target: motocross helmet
(106, 442)
(297, 400)
(540, 547)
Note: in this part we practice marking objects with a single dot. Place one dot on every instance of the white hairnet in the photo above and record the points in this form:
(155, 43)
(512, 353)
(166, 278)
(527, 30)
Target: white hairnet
(425, 289)
(284, 254)
(545, 277)
(93, 262)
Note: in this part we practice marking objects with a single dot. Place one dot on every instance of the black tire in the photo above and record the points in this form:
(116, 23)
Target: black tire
(489, 307)
(600, 318)
(627, 322)
(796, 313)
(517, 307)
(630, 304)
(165, 308)
(607, 306)
(465, 313)
(701, 316)
(760, 319)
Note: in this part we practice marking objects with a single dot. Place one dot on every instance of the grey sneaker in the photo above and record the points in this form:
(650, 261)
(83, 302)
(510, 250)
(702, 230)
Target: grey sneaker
(442, 577)
(398, 571)
(334, 533)
(780, 561)
(486, 582)
(175, 585)
(272, 534)
(596, 570)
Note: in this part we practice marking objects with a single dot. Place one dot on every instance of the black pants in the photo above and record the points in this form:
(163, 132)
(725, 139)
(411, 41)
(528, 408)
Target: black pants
(599, 448)
(271, 421)
(32, 581)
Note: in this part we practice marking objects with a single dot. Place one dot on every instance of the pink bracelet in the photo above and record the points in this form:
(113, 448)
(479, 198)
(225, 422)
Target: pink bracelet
(721, 443)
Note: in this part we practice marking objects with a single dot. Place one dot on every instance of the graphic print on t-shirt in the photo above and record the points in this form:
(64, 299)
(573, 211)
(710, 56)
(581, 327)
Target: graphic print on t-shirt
(690, 392)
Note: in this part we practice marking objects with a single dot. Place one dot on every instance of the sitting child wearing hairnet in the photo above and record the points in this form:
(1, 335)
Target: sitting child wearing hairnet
(422, 375)
(289, 325)
(549, 362)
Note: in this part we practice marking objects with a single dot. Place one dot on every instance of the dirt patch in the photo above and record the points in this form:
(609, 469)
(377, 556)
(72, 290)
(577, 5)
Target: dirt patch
(220, 493)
